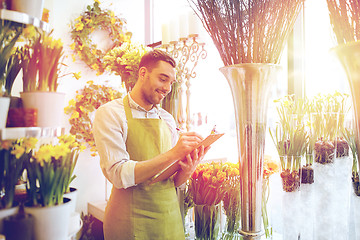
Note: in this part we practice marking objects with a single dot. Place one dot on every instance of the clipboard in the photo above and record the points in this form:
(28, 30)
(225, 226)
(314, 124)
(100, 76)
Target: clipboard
(210, 139)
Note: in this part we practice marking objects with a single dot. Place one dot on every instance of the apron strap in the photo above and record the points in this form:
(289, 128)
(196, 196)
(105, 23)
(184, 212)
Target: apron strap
(127, 108)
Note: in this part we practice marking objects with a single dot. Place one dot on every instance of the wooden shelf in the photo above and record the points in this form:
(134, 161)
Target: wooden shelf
(37, 132)
(23, 18)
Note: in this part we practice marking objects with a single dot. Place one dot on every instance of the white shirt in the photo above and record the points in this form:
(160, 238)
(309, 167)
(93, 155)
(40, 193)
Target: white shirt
(110, 133)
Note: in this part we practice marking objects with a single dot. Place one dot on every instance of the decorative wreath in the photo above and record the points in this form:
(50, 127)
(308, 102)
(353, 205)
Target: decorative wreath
(82, 107)
(96, 18)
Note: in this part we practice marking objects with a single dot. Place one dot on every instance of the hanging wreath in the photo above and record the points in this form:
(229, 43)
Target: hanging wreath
(82, 107)
(92, 19)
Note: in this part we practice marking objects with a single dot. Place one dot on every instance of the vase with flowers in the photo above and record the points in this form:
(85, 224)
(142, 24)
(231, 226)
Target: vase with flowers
(231, 201)
(250, 45)
(9, 66)
(207, 188)
(13, 156)
(124, 61)
(41, 59)
(49, 174)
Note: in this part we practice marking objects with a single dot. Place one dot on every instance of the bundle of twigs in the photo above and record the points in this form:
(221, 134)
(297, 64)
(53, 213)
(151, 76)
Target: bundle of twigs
(345, 19)
(248, 31)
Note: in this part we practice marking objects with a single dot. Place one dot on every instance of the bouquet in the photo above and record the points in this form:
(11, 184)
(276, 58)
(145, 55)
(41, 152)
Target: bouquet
(124, 61)
(207, 188)
(50, 171)
(13, 155)
(207, 184)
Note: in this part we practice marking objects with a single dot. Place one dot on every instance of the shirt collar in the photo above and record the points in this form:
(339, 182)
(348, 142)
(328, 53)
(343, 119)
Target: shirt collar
(133, 104)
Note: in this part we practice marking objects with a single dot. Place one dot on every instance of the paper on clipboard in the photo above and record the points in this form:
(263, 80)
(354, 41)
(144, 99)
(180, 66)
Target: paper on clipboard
(210, 139)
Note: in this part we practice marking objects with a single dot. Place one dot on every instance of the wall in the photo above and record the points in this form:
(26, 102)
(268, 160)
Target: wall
(89, 181)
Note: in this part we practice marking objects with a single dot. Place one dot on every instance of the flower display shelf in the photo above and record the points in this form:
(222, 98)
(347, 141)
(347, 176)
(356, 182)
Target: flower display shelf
(23, 18)
(36, 132)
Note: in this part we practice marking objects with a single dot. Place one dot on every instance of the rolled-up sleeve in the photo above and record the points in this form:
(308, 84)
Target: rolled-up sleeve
(110, 132)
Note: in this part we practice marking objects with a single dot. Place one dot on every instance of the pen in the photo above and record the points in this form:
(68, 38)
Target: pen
(213, 130)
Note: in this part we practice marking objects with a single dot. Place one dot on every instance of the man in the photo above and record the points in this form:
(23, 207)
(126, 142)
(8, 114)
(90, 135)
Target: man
(136, 141)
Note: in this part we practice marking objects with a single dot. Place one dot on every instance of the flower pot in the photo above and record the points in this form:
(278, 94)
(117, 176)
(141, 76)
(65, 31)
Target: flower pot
(290, 173)
(51, 222)
(49, 105)
(207, 221)
(31, 7)
(19, 226)
(5, 213)
(250, 85)
(4, 108)
(73, 196)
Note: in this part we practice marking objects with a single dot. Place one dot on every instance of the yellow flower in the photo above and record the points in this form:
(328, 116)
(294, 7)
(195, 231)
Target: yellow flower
(74, 115)
(72, 46)
(61, 150)
(97, 1)
(95, 66)
(30, 143)
(87, 21)
(18, 151)
(72, 102)
(43, 154)
(79, 26)
(113, 20)
(78, 19)
(79, 97)
(90, 82)
(81, 108)
(81, 47)
(77, 75)
(73, 57)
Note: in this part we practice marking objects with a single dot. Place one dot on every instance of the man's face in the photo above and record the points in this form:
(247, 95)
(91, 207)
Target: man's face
(158, 82)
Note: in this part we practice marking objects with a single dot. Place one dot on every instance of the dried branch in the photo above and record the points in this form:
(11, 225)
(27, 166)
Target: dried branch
(248, 31)
(345, 19)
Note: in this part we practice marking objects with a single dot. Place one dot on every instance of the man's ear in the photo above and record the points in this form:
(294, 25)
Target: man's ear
(142, 72)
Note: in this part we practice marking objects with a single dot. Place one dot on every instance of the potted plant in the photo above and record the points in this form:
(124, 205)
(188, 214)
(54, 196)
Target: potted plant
(291, 140)
(13, 155)
(49, 173)
(8, 66)
(41, 62)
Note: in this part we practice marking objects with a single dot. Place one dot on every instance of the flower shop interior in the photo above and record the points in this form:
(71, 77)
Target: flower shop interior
(276, 77)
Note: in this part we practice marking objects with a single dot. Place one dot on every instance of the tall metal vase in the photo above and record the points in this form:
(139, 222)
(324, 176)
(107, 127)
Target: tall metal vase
(250, 85)
(349, 56)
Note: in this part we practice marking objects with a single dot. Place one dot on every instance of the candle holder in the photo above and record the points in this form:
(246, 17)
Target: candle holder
(187, 52)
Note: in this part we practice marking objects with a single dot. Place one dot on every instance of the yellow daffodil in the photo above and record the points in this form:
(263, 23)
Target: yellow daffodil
(79, 97)
(74, 115)
(18, 151)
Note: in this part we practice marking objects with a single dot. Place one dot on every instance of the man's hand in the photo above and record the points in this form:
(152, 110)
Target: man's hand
(186, 144)
(190, 162)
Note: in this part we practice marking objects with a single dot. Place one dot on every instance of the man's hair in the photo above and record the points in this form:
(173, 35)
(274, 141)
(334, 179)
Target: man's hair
(151, 59)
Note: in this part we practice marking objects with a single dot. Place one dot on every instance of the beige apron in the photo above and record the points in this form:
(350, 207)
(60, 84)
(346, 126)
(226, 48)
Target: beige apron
(144, 211)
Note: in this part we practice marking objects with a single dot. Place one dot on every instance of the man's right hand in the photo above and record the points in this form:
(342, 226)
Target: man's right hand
(186, 144)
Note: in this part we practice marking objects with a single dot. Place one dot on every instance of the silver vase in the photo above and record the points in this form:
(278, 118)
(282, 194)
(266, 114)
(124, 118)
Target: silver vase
(250, 85)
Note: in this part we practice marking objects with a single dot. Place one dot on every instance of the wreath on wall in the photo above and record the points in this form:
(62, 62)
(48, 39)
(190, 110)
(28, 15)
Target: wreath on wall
(82, 108)
(92, 19)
